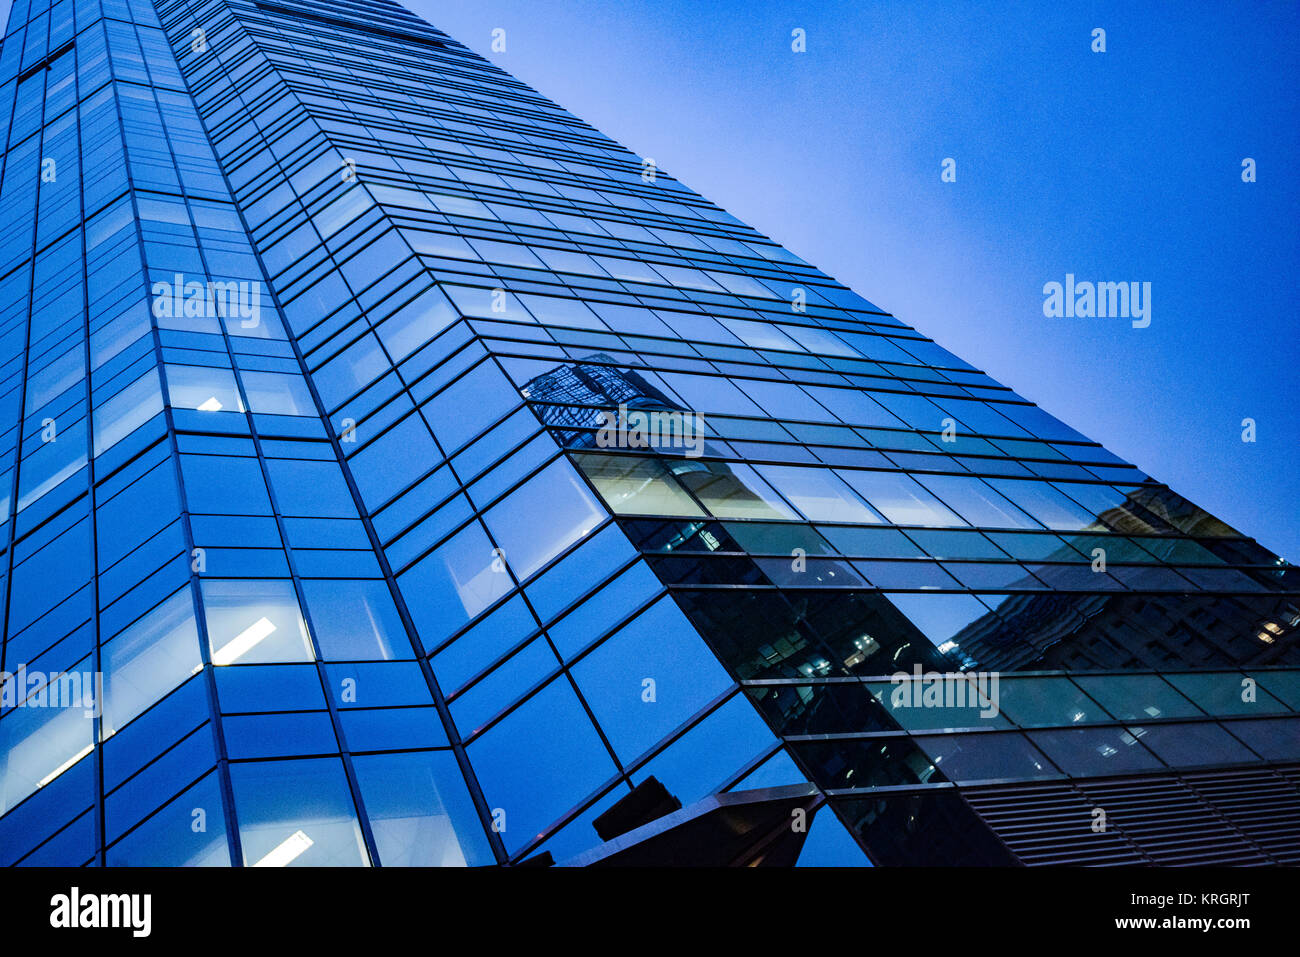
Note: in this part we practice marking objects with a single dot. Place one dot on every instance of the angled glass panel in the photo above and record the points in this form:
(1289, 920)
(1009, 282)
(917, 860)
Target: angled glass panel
(149, 659)
(251, 622)
(1137, 697)
(119, 416)
(296, 813)
(170, 839)
(459, 580)
(1091, 752)
(539, 762)
(41, 743)
(203, 388)
(818, 493)
(274, 393)
(633, 485)
(548, 513)
(731, 490)
(987, 757)
(899, 498)
(355, 621)
(1226, 693)
(1196, 744)
(1046, 702)
(420, 812)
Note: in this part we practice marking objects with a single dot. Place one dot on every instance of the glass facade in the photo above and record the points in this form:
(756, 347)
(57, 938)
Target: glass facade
(409, 474)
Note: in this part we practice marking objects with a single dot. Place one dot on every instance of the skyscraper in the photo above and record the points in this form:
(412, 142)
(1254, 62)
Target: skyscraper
(399, 471)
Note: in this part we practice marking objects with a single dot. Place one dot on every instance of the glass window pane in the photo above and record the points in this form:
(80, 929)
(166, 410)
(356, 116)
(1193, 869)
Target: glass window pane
(1193, 745)
(1042, 547)
(931, 703)
(119, 416)
(1284, 685)
(1089, 752)
(732, 490)
(460, 579)
(1226, 693)
(714, 751)
(871, 542)
(1137, 697)
(759, 539)
(469, 405)
(168, 838)
(503, 629)
(39, 744)
(392, 729)
(355, 621)
(649, 678)
(254, 622)
(927, 575)
(540, 761)
(899, 498)
(420, 811)
(52, 463)
(1045, 504)
(818, 493)
(274, 394)
(1043, 702)
(203, 388)
(149, 659)
(941, 618)
(631, 485)
(986, 757)
(416, 323)
(977, 502)
(1274, 739)
(829, 844)
(953, 544)
(542, 517)
(224, 485)
(296, 813)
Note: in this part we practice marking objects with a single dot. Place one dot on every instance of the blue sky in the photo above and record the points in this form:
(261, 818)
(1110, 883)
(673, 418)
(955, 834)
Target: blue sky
(1123, 165)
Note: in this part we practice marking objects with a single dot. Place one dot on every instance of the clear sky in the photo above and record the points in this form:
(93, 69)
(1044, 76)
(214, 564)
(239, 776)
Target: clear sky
(1115, 166)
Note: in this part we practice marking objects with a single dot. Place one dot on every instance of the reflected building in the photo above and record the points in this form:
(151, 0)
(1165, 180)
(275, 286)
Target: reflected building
(313, 325)
(1093, 595)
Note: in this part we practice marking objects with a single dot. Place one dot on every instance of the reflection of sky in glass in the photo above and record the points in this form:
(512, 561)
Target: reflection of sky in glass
(939, 617)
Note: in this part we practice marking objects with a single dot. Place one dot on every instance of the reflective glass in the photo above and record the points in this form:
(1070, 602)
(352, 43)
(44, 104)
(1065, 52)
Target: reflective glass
(276, 394)
(818, 494)
(203, 388)
(254, 621)
(636, 485)
(149, 659)
(355, 621)
(1137, 697)
(546, 515)
(459, 580)
(296, 814)
(1086, 752)
(170, 839)
(420, 812)
(648, 678)
(539, 761)
(986, 757)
